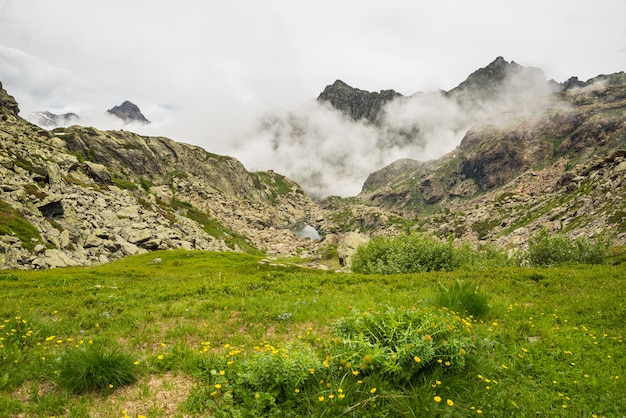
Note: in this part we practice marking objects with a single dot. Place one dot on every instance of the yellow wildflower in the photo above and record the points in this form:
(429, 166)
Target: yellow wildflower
(449, 402)
(437, 399)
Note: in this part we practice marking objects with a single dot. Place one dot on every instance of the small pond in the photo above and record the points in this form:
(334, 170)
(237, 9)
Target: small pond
(306, 231)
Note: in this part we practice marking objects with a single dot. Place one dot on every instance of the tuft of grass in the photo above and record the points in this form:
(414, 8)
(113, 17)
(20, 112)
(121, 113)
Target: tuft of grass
(86, 369)
(462, 298)
(124, 184)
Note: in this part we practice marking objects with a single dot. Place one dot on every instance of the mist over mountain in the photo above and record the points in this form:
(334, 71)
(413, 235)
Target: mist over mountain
(48, 119)
(332, 144)
(125, 115)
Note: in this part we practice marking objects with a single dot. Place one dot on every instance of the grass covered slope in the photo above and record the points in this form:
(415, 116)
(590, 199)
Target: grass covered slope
(226, 334)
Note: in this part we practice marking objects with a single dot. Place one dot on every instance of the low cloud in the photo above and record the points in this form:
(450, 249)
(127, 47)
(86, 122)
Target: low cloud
(328, 153)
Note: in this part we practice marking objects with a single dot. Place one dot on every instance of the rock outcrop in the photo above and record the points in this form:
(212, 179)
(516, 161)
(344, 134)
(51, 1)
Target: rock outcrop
(501, 79)
(357, 104)
(9, 108)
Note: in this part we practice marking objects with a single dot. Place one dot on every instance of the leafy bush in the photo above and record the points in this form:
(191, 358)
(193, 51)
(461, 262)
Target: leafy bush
(268, 379)
(399, 344)
(369, 352)
(547, 250)
(405, 254)
(419, 253)
(92, 368)
(462, 298)
(481, 258)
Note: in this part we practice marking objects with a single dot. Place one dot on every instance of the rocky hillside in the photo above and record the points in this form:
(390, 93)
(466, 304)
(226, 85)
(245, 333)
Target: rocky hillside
(77, 196)
(562, 167)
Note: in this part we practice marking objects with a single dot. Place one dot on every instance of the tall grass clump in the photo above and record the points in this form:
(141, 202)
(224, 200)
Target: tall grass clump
(549, 250)
(92, 368)
(462, 298)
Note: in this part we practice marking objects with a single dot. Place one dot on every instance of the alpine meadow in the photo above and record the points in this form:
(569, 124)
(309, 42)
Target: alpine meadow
(145, 277)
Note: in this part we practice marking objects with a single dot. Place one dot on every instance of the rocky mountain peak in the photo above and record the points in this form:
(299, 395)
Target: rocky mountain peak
(356, 103)
(8, 105)
(129, 112)
(493, 80)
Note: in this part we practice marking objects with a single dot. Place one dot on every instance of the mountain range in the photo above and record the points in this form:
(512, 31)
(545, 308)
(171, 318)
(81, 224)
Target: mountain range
(128, 112)
(534, 154)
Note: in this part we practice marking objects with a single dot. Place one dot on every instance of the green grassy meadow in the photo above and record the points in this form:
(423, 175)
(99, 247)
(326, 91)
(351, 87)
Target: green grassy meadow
(230, 334)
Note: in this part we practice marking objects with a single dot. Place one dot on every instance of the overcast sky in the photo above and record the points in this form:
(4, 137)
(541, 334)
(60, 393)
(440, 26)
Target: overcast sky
(204, 71)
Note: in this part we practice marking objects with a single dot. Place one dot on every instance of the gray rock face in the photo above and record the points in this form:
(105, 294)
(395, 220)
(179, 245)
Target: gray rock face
(128, 112)
(356, 103)
(500, 78)
(8, 105)
(560, 169)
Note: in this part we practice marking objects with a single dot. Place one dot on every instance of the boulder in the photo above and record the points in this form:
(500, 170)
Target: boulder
(347, 247)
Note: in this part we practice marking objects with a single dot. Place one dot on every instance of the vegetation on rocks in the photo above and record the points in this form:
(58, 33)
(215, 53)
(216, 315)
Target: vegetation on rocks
(12, 223)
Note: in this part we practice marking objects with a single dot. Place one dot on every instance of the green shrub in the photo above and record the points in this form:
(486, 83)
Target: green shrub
(399, 344)
(547, 250)
(92, 368)
(462, 298)
(405, 254)
(269, 379)
(481, 258)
